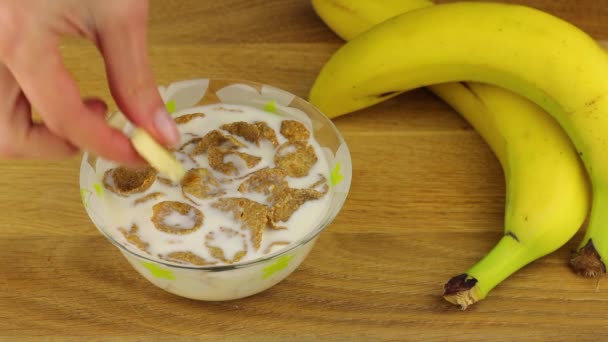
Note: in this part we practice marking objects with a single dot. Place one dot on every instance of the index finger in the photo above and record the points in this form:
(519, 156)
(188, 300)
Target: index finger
(52, 90)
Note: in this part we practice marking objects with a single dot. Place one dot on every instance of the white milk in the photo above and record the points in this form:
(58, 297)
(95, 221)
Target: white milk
(124, 213)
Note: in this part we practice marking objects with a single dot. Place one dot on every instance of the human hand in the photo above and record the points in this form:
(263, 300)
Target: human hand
(33, 74)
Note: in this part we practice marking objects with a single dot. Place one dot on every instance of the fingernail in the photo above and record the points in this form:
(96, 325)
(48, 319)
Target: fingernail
(166, 127)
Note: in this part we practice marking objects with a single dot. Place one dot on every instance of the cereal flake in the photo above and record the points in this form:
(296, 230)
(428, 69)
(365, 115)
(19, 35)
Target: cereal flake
(164, 209)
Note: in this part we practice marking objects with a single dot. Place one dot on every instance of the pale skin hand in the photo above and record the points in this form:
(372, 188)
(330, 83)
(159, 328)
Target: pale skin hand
(32, 74)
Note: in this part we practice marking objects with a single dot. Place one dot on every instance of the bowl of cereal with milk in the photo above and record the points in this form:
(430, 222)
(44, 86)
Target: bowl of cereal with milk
(264, 174)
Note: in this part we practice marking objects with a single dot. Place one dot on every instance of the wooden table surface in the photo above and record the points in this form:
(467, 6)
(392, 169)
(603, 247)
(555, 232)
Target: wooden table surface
(426, 202)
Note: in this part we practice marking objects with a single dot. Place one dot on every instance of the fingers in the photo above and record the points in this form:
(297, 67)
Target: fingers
(96, 106)
(99, 108)
(122, 39)
(19, 137)
(52, 90)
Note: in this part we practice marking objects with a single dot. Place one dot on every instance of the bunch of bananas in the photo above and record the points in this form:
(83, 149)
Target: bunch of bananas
(535, 88)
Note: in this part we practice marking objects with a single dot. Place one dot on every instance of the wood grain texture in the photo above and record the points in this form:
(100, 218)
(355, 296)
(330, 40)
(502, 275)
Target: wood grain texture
(425, 204)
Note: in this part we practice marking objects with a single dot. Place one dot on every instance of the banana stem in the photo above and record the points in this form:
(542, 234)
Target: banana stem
(508, 256)
(592, 255)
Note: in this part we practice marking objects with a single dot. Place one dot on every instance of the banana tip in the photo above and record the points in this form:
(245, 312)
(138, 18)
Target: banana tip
(587, 262)
(462, 290)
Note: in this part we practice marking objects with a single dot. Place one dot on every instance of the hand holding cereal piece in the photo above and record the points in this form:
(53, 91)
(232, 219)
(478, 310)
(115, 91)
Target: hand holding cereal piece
(176, 217)
(216, 157)
(201, 184)
(218, 252)
(134, 239)
(296, 158)
(186, 258)
(184, 119)
(290, 201)
(215, 138)
(269, 181)
(126, 181)
(148, 197)
(267, 133)
(294, 131)
(244, 130)
(251, 214)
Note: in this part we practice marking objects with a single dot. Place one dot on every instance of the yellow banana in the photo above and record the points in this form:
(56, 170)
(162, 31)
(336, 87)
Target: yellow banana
(537, 157)
(155, 154)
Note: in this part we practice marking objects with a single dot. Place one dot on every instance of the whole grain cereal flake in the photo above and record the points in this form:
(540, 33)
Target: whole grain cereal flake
(216, 157)
(267, 133)
(149, 197)
(133, 238)
(268, 181)
(296, 158)
(186, 258)
(126, 181)
(218, 252)
(184, 119)
(245, 130)
(294, 131)
(176, 217)
(215, 138)
(190, 146)
(289, 201)
(201, 184)
(251, 214)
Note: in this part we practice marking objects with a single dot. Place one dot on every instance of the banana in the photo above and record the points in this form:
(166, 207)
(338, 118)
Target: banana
(158, 157)
(155, 154)
(537, 157)
(349, 18)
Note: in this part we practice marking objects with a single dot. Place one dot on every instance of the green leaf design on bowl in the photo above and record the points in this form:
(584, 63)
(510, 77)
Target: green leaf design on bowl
(170, 105)
(98, 189)
(157, 271)
(271, 107)
(279, 265)
(336, 175)
(84, 195)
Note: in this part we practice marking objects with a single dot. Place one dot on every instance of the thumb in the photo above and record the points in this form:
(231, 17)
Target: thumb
(122, 41)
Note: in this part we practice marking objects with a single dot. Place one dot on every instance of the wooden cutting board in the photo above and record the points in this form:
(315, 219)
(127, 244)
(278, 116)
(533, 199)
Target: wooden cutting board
(426, 202)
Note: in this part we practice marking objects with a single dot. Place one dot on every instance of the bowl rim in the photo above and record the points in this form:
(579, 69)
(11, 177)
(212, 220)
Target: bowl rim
(313, 234)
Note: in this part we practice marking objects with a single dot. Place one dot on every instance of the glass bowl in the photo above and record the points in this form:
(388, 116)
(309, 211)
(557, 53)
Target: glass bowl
(228, 282)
